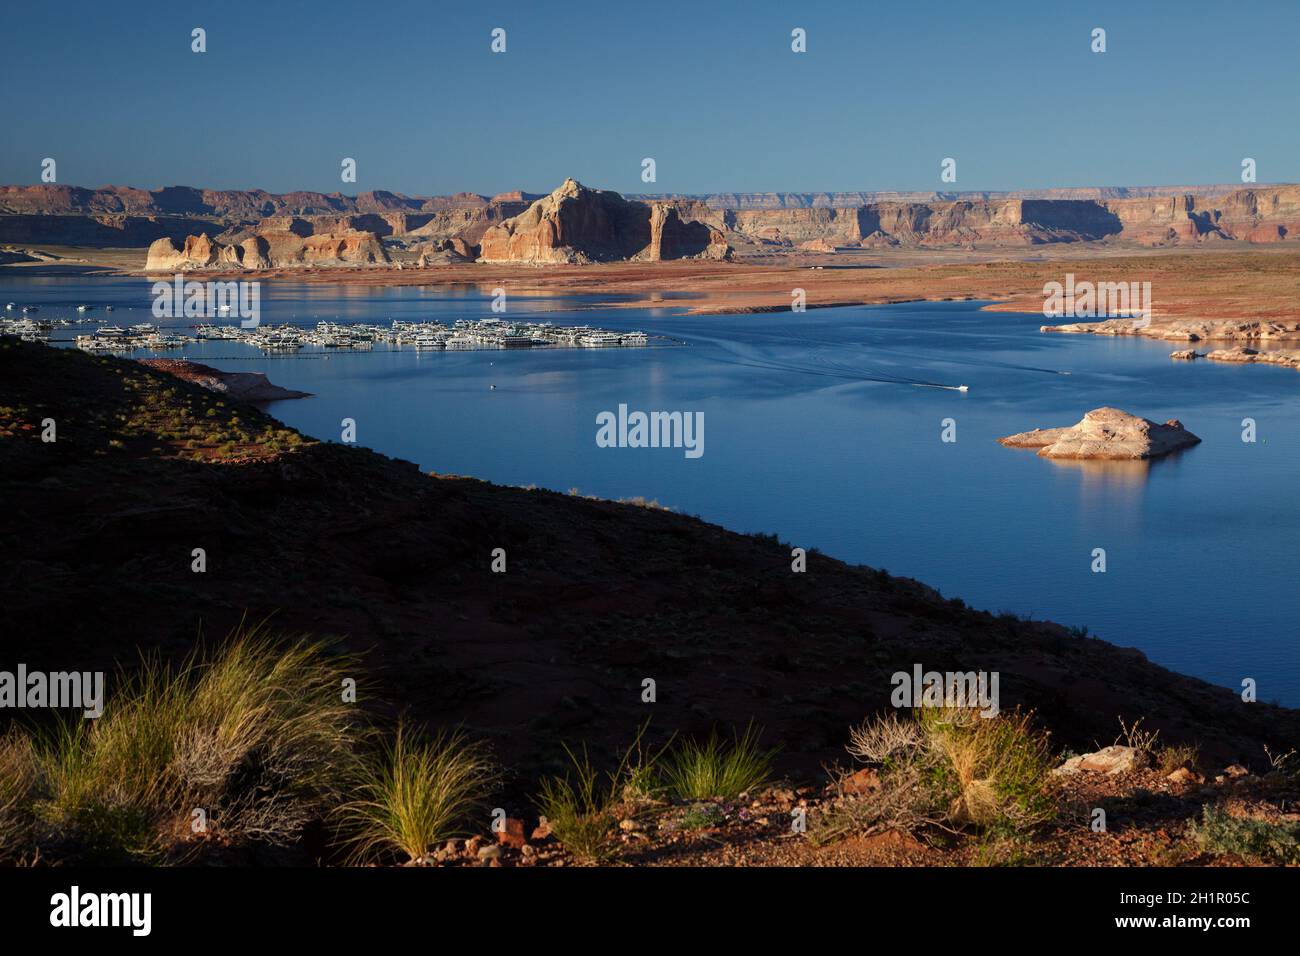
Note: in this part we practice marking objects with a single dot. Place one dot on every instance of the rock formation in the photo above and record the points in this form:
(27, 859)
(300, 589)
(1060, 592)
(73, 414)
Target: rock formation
(283, 248)
(1106, 434)
(1188, 330)
(575, 224)
(1284, 358)
(242, 386)
(1149, 216)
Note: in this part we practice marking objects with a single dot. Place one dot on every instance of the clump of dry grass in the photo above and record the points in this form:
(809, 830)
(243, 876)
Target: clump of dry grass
(257, 737)
(18, 780)
(413, 794)
(950, 768)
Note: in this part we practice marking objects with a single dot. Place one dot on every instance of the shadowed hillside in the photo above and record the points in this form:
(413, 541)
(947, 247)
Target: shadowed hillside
(99, 527)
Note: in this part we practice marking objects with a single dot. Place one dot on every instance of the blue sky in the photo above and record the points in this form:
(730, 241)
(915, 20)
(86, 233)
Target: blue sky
(710, 90)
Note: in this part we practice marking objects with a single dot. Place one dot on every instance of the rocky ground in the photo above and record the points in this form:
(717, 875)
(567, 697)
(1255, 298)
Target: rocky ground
(1152, 819)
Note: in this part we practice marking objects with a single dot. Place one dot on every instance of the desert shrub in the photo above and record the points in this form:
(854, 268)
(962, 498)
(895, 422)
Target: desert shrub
(950, 768)
(257, 738)
(1220, 832)
(413, 794)
(1169, 759)
(716, 768)
(994, 771)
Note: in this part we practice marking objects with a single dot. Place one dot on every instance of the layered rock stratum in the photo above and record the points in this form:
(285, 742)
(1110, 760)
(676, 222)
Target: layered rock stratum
(1146, 216)
(272, 249)
(1106, 434)
(576, 224)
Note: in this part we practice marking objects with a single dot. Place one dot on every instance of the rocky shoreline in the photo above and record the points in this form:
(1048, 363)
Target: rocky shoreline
(1242, 356)
(251, 387)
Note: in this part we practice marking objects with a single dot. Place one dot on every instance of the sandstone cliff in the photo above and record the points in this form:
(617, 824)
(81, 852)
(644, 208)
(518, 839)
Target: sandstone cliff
(274, 249)
(575, 224)
(1150, 216)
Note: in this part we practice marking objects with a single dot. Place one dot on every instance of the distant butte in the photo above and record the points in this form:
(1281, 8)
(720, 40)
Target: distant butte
(576, 224)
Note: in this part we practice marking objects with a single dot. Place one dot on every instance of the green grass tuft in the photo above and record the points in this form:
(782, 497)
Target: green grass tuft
(414, 794)
(716, 769)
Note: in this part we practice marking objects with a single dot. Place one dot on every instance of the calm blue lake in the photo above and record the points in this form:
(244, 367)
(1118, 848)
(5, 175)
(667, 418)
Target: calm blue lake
(825, 428)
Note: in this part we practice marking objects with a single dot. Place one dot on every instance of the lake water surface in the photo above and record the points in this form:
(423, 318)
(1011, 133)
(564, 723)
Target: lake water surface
(825, 428)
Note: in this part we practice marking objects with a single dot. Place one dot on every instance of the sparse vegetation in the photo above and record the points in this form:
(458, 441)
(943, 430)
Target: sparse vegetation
(1253, 839)
(255, 739)
(18, 775)
(413, 794)
(583, 810)
(1143, 741)
(579, 811)
(716, 768)
(948, 768)
(1169, 759)
(1280, 761)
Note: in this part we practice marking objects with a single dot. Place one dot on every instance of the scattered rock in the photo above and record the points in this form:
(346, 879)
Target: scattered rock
(1109, 760)
(865, 780)
(1285, 358)
(512, 834)
(490, 852)
(1185, 775)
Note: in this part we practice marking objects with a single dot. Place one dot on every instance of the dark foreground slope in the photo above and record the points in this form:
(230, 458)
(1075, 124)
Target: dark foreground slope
(98, 530)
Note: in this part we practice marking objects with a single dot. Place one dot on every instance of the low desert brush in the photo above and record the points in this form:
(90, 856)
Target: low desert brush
(950, 768)
(1253, 839)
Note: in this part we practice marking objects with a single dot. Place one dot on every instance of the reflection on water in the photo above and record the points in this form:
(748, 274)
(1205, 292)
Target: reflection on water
(1106, 473)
